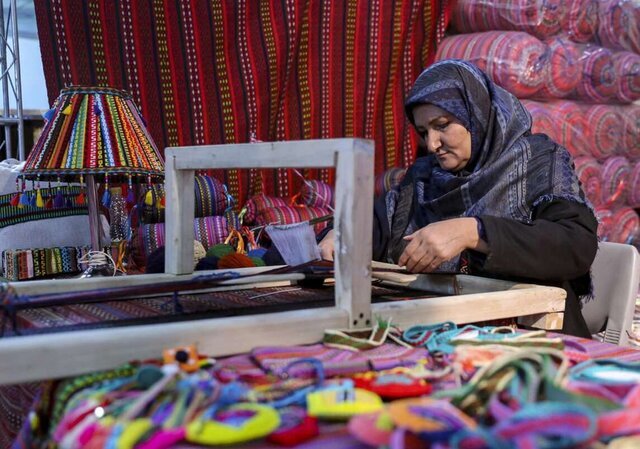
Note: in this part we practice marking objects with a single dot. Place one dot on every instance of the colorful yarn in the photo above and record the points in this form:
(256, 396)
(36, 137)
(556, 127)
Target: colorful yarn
(563, 69)
(615, 180)
(388, 180)
(514, 60)
(619, 22)
(604, 131)
(235, 260)
(599, 79)
(220, 250)
(627, 66)
(537, 18)
(317, 194)
(22, 264)
(582, 23)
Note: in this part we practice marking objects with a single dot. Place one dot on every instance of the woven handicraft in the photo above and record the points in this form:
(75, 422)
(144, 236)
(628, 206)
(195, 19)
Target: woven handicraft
(27, 210)
(297, 70)
(22, 264)
(207, 230)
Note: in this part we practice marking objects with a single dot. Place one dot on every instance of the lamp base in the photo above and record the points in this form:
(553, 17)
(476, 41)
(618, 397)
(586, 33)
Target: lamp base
(99, 264)
(103, 270)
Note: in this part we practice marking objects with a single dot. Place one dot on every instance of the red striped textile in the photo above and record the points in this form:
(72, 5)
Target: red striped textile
(631, 115)
(605, 130)
(589, 173)
(582, 22)
(618, 24)
(627, 65)
(226, 71)
(633, 198)
(615, 180)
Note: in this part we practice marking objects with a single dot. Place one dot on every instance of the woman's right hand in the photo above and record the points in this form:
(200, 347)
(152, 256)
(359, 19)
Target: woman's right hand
(327, 245)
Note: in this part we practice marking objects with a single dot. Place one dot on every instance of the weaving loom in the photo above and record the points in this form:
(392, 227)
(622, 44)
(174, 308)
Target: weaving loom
(461, 299)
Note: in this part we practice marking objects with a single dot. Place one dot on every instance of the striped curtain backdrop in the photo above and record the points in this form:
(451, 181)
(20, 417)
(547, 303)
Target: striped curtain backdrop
(227, 71)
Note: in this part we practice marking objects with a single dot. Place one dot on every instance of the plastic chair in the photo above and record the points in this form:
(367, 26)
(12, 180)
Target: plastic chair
(616, 274)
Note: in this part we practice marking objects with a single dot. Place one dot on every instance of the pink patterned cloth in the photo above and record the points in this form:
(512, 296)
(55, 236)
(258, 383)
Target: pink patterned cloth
(542, 120)
(538, 18)
(626, 225)
(599, 79)
(569, 117)
(619, 24)
(605, 130)
(582, 22)
(633, 198)
(631, 141)
(514, 60)
(627, 65)
(563, 70)
(616, 173)
(589, 172)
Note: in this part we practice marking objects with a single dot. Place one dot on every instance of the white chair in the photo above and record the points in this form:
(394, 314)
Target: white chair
(616, 274)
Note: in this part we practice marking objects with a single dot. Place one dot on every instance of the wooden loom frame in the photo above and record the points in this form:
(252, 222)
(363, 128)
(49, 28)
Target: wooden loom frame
(55, 355)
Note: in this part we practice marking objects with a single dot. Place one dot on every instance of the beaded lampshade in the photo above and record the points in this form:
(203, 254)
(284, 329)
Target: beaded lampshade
(94, 134)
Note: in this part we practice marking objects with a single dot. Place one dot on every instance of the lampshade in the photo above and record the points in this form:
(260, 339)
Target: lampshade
(97, 131)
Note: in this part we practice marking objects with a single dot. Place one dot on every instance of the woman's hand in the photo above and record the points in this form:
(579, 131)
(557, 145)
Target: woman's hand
(327, 245)
(438, 242)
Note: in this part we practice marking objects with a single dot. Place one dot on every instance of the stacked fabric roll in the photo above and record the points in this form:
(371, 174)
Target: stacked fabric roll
(576, 66)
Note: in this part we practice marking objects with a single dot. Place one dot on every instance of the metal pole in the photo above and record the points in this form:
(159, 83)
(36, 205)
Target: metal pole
(94, 218)
(18, 82)
(5, 82)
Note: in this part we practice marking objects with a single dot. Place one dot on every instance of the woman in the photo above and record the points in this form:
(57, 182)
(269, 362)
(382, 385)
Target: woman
(490, 198)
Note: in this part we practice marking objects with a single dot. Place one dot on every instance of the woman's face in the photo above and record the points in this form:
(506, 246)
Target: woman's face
(444, 135)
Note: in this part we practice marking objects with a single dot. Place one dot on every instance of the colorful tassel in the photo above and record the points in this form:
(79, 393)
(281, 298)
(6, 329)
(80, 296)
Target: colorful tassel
(130, 197)
(80, 198)
(68, 203)
(49, 203)
(148, 198)
(58, 201)
(39, 200)
(15, 200)
(106, 198)
(24, 199)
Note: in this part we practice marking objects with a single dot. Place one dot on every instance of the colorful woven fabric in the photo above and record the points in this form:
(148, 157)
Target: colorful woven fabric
(211, 196)
(388, 180)
(627, 65)
(94, 130)
(605, 222)
(604, 131)
(626, 225)
(259, 203)
(20, 213)
(563, 70)
(615, 180)
(582, 22)
(599, 81)
(22, 264)
(224, 71)
(589, 172)
(538, 18)
(631, 117)
(292, 214)
(633, 198)
(207, 230)
(542, 120)
(15, 401)
(514, 60)
(619, 22)
(317, 194)
(569, 117)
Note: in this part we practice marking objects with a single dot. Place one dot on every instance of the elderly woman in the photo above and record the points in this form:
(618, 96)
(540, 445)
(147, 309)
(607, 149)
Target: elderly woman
(490, 198)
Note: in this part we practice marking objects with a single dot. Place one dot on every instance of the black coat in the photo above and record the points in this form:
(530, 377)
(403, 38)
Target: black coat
(557, 248)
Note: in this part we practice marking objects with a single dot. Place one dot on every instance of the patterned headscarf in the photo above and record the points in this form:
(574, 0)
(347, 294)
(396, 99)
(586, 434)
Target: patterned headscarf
(510, 170)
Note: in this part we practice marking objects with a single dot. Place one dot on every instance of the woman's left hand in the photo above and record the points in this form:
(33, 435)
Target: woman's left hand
(438, 242)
